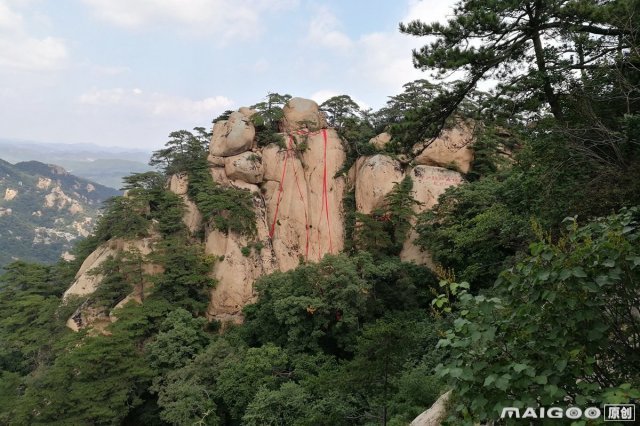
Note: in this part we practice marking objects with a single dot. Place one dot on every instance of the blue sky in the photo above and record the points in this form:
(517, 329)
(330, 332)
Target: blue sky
(127, 72)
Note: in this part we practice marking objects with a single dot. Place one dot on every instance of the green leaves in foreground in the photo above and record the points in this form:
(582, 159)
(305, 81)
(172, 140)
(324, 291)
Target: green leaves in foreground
(560, 329)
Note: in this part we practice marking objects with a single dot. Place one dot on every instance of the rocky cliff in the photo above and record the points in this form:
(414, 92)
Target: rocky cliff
(298, 194)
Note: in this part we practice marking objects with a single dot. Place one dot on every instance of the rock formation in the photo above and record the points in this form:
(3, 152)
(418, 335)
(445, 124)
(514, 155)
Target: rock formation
(10, 194)
(434, 415)
(452, 149)
(297, 197)
(87, 281)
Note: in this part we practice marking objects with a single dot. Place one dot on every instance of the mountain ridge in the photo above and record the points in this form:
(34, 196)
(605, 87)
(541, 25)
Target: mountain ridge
(44, 209)
(104, 165)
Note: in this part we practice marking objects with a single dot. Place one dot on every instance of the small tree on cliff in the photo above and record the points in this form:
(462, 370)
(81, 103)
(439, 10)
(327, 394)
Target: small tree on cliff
(182, 150)
(339, 109)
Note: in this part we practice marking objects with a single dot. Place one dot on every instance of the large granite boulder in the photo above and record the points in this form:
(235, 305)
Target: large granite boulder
(232, 136)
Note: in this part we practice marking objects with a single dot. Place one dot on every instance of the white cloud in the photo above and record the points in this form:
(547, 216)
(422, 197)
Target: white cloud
(225, 18)
(383, 59)
(386, 59)
(324, 31)
(261, 66)
(429, 10)
(110, 70)
(22, 51)
(156, 104)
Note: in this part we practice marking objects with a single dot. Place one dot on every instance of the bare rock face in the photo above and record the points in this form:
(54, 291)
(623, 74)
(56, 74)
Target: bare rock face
(381, 140)
(297, 199)
(10, 194)
(431, 182)
(236, 271)
(375, 178)
(215, 161)
(434, 415)
(309, 222)
(302, 113)
(179, 185)
(232, 136)
(246, 167)
(43, 182)
(299, 216)
(451, 149)
(247, 112)
(428, 184)
(87, 281)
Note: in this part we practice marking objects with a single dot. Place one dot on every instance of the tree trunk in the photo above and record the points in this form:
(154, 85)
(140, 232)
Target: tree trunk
(549, 93)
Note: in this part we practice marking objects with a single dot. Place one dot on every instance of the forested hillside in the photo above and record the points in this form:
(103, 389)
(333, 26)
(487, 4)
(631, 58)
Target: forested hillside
(529, 297)
(43, 210)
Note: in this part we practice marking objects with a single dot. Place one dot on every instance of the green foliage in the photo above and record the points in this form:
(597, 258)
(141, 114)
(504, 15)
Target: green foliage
(287, 405)
(228, 209)
(384, 231)
(224, 116)
(400, 206)
(185, 281)
(353, 339)
(381, 352)
(320, 307)
(373, 233)
(120, 276)
(479, 233)
(113, 287)
(340, 111)
(325, 302)
(187, 394)
(509, 33)
(124, 217)
(242, 377)
(492, 150)
(96, 382)
(481, 227)
(350, 221)
(168, 210)
(403, 116)
(558, 329)
(354, 125)
(180, 339)
(267, 119)
(31, 320)
(183, 149)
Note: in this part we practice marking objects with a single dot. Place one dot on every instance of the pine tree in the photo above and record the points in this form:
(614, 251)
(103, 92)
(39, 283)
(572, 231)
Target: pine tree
(533, 47)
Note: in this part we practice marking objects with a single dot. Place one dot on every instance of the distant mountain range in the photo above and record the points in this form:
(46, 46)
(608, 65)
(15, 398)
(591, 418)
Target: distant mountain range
(104, 165)
(43, 209)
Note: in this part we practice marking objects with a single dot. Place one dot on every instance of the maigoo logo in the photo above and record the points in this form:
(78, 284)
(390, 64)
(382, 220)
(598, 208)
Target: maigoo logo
(573, 413)
(624, 413)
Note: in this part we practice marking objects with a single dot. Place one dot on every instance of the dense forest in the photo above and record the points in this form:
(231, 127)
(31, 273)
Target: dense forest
(534, 298)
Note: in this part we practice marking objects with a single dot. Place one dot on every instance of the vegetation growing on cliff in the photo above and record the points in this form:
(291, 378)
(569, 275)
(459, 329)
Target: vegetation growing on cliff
(384, 231)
